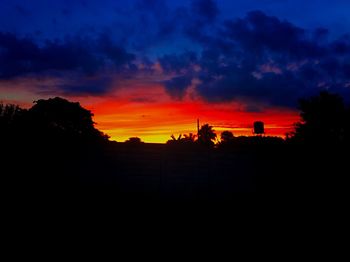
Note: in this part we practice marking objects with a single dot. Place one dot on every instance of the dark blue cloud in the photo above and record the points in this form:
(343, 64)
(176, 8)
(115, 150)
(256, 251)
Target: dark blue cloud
(258, 57)
(20, 56)
(81, 56)
(264, 59)
(85, 86)
(117, 54)
(177, 86)
(341, 46)
(178, 62)
(239, 84)
(259, 31)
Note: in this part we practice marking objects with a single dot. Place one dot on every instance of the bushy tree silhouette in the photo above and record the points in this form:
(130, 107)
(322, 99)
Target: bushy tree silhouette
(226, 137)
(57, 117)
(324, 120)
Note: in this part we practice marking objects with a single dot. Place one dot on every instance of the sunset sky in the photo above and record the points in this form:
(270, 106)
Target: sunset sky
(151, 68)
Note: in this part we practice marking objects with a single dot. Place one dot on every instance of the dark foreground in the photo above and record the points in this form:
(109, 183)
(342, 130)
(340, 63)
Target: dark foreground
(155, 171)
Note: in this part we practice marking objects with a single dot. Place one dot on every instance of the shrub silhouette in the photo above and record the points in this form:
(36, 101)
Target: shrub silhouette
(134, 141)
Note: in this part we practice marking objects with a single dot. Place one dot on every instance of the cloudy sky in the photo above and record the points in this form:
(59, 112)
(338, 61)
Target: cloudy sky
(150, 68)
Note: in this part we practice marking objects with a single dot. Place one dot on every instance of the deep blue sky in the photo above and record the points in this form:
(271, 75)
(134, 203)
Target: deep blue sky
(60, 17)
(257, 50)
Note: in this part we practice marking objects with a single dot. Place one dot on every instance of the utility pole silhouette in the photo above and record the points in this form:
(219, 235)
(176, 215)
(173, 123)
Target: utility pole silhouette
(197, 127)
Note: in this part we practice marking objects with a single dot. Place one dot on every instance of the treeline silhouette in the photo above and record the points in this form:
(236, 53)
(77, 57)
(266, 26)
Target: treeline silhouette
(45, 145)
(208, 139)
(55, 144)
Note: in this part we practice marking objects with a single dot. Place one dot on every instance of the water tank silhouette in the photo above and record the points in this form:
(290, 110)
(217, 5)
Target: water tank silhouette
(259, 128)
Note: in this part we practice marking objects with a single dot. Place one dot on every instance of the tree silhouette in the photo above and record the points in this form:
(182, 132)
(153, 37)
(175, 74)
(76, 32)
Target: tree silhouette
(57, 117)
(11, 119)
(324, 119)
(206, 135)
(182, 140)
(8, 112)
(226, 137)
(190, 138)
(134, 141)
(173, 138)
(347, 126)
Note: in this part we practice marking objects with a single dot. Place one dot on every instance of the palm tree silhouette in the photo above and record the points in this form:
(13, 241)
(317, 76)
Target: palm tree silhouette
(189, 138)
(176, 139)
(206, 135)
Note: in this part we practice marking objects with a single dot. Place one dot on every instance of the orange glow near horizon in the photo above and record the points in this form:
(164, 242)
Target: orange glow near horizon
(141, 109)
(157, 123)
(133, 114)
